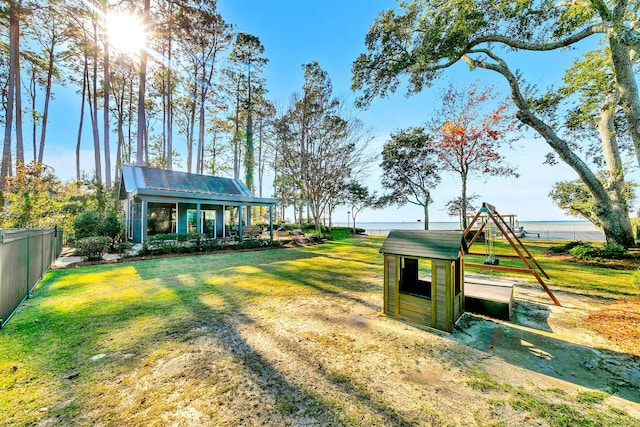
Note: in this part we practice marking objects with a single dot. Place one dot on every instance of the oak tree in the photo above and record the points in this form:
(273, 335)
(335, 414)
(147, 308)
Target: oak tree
(423, 38)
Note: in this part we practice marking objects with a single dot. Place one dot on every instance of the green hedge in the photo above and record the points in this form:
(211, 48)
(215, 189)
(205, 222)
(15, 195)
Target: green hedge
(188, 243)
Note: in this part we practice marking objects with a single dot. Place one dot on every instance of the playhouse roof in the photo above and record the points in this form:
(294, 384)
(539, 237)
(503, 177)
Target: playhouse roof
(146, 181)
(433, 244)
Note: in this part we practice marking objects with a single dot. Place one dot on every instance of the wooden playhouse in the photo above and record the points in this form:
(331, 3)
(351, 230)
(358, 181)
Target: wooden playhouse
(424, 277)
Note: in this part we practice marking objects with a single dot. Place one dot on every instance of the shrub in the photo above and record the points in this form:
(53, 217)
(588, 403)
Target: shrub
(613, 251)
(93, 247)
(85, 225)
(567, 246)
(256, 243)
(318, 237)
(608, 251)
(123, 247)
(339, 233)
(286, 226)
(91, 223)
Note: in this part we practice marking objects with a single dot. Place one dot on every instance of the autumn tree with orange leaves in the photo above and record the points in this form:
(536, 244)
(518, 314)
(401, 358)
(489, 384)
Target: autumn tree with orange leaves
(467, 140)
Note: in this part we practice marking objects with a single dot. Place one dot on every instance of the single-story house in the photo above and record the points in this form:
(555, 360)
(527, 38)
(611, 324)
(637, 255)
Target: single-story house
(164, 201)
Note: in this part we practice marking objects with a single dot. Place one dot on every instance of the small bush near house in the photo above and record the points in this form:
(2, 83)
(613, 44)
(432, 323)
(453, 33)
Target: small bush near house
(93, 247)
(123, 247)
(91, 223)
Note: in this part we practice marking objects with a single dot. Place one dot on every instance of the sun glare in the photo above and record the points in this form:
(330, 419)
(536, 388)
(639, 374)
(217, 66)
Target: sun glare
(126, 33)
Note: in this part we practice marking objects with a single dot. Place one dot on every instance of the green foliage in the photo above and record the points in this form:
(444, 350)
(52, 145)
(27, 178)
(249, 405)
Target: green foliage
(566, 247)
(32, 198)
(340, 233)
(415, 42)
(123, 247)
(588, 251)
(86, 224)
(286, 226)
(173, 243)
(92, 223)
(93, 247)
(410, 168)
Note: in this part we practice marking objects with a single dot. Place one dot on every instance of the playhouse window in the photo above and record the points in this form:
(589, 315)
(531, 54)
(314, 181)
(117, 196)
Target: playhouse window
(415, 277)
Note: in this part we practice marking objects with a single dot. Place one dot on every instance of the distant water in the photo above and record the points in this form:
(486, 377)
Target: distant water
(544, 230)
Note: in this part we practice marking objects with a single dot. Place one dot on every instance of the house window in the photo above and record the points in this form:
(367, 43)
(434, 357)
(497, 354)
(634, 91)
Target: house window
(415, 277)
(206, 226)
(192, 221)
(161, 218)
(209, 223)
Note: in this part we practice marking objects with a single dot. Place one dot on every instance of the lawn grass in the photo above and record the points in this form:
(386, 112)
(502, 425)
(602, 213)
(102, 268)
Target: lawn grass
(129, 308)
(138, 313)
(570, 276)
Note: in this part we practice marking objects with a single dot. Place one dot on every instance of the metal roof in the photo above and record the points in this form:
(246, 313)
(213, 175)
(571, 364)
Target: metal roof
(433, 244)
(142, 180)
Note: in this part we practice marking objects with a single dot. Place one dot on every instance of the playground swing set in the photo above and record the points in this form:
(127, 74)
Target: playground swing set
(489, 217)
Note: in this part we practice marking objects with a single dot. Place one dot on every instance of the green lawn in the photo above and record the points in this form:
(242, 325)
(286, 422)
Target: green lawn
(52, 368)
(570, 276)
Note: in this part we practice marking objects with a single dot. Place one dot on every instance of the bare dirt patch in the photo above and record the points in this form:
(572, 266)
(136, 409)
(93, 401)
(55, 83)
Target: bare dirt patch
(333, 359)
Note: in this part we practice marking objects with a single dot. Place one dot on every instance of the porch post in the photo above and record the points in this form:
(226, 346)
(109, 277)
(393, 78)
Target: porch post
(177, 216)
(224, 225)
(271, 222)
(240, 207)
(199, 219)
(143, 219)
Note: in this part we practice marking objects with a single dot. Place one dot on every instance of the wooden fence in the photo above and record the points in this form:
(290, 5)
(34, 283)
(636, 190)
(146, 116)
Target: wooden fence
(25, 256)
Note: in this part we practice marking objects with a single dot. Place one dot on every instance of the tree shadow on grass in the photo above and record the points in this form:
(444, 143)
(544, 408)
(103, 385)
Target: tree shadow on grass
(144, 323)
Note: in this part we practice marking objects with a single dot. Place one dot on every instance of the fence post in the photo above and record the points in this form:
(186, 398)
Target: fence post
(28, 258)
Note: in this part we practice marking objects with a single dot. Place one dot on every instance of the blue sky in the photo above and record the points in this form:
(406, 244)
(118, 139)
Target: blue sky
(332, 32)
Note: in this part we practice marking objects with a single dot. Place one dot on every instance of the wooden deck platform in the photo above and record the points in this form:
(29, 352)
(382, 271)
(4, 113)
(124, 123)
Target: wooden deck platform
(493, 299)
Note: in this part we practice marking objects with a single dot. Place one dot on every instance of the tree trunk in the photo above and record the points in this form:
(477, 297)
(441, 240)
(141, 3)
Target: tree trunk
(82, 107)
(47, 98)
(236, 134)
(142, 119)
(627, 90)
(426, 214)
(18, 86)
(105, 118)
(463, 202)
(93, 112)
(169, 111)
(249, 160)
(615, 168)
(33, 93)
(14, 28)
